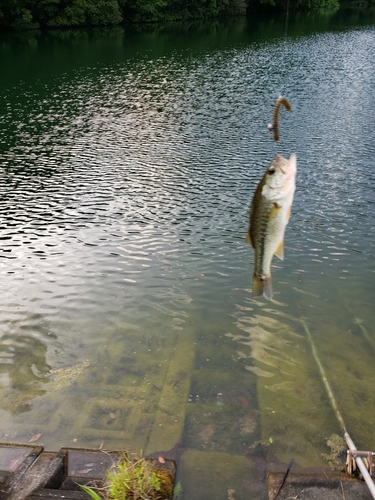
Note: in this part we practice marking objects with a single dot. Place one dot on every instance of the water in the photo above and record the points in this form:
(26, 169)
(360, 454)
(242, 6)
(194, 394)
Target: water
(128, 162)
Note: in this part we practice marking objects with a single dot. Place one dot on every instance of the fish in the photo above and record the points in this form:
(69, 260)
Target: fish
(269, 215)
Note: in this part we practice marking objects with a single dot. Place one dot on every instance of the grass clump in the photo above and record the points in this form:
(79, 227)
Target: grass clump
(134, 480)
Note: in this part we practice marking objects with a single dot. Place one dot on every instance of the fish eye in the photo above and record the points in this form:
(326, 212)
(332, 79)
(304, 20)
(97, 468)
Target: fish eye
(271, 170)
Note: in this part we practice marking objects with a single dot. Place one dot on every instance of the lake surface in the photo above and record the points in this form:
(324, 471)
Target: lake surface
(129, 157)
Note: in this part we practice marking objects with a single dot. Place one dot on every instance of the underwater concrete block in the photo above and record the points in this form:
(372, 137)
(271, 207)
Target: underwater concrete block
(11, 457)
(126, 417)
(212, 475)
(227, 427)
(295, 415)
(14, 461)
(87, 466)
(169, 421)
(103, 418)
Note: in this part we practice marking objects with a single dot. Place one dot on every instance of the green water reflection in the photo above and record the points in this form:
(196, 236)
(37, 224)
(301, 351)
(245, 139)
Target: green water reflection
(128, 160)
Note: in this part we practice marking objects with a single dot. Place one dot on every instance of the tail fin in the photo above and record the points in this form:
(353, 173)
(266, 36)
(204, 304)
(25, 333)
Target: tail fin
(262, 286)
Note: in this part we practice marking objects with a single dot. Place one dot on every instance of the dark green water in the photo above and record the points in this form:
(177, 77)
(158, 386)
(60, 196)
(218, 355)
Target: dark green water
(129, 157)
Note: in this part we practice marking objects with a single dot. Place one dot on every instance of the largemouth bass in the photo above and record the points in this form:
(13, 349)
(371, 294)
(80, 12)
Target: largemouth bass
(269, 214)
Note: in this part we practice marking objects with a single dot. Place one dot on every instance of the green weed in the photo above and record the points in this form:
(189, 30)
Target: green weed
(134, 480)
(90, 492)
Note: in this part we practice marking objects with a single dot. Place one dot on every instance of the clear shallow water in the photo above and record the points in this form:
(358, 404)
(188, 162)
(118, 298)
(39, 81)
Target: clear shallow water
(128, 162)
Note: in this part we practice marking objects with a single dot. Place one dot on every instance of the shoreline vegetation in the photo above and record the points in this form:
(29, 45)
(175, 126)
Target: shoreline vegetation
(37, 14)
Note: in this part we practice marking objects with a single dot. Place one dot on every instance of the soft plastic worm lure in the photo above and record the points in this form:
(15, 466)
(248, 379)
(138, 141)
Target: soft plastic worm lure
(275, 118)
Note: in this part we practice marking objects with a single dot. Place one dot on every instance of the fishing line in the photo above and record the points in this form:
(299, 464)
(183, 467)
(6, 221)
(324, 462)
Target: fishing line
(349, 442)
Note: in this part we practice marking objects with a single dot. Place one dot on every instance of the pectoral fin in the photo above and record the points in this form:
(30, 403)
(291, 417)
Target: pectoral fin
(280, 250)
(274, 211)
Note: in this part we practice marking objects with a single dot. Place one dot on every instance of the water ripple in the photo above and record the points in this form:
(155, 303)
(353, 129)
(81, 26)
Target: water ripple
(125, 187)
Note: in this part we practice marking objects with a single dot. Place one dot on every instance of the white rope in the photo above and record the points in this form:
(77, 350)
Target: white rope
(349, 442)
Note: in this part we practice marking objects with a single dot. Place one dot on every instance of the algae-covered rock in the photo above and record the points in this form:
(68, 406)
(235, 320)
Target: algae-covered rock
(64, 377)
(337, 445)
(166, 484)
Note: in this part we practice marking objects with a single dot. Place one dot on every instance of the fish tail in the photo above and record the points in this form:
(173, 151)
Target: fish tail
(262, 286)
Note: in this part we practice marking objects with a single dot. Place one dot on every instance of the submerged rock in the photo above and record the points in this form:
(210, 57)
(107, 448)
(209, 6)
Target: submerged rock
(338, 446)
